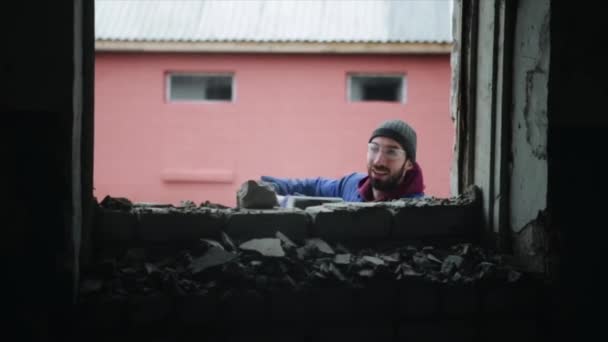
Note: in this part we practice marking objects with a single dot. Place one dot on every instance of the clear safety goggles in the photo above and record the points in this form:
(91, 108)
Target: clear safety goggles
(391, 153)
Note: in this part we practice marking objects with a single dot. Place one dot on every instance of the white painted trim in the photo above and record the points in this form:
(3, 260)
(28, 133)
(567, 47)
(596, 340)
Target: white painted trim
(285, 47)
(179, 175)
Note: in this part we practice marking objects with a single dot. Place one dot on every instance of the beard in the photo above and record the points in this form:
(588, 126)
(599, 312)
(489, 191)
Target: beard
(391, 183)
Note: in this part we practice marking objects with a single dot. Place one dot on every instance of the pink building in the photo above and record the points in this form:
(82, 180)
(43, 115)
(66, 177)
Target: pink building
(188, 107)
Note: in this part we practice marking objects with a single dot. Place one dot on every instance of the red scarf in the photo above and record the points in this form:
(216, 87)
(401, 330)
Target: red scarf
(412, 184)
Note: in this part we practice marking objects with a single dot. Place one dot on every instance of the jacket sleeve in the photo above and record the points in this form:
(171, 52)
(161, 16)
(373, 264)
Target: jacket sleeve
(319, 187)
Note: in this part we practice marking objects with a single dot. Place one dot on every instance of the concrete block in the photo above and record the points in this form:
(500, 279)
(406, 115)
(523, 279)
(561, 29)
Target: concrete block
(197, 310)
(242, 310)
(509, 330)
(162, 225)
(430, 219)
(355, 333)
(350, 221)
(459, 300)
(321, 308)
(329, 306)
(252, 333)
(289, 333)
(114, 226)
(102, 315)
(303, 202)
(256, 195)
(417, 298)
(288, 307)
(248, 224)
(439, 331)
(197, 334)
(149, 310)
(521, 299)
(376, 302)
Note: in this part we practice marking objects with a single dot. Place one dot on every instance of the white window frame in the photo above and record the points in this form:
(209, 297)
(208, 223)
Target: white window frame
(349, 84)
(169, 74)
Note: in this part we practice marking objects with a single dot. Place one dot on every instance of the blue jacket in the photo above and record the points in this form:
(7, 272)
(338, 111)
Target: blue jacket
(345, 187)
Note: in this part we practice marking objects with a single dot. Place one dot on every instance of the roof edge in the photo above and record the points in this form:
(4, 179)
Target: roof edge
(274, 47)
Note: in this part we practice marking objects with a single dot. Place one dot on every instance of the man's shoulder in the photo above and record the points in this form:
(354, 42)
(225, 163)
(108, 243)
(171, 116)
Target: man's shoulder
(351, 181)
(354, 176)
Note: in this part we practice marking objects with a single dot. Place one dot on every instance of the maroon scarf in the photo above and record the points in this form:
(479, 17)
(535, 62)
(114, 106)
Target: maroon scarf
(412, 184)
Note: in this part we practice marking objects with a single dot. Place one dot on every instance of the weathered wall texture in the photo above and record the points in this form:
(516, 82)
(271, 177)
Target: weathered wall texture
(530, 82)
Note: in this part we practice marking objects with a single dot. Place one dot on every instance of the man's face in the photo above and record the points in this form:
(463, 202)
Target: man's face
(387, 163)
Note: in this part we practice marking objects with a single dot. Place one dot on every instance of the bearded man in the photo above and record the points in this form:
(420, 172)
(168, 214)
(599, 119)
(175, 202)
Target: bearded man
(392, 171)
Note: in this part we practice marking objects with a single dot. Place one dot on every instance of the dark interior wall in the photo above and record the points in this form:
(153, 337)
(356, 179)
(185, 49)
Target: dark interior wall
(36, 78)
(576, 146)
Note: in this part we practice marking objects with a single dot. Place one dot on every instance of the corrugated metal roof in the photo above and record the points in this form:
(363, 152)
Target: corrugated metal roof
(381, 21)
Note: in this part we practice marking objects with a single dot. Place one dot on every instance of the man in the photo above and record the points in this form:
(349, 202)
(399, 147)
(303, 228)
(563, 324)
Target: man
(392, 171)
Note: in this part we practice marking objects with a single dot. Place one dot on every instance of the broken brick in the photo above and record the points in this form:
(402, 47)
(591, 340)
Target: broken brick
(171, 225)
(114, 226)
(249, 224)
(350, 221)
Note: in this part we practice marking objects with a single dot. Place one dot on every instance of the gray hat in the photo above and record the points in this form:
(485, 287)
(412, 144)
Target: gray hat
(401, 133)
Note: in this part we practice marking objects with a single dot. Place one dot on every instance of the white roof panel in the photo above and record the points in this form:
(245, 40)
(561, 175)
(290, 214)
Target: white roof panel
(382, 21)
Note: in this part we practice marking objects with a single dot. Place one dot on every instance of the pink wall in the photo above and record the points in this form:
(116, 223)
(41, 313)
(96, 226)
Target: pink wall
(290, 118)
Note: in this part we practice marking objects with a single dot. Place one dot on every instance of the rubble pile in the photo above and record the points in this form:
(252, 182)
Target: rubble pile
(278, 263)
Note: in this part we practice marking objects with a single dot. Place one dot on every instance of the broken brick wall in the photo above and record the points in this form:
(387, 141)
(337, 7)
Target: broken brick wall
(358, 289)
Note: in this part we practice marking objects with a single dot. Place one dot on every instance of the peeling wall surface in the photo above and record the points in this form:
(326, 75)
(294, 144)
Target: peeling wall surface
(530, 81)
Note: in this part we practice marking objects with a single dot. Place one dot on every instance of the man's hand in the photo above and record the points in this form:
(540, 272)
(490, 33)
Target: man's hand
(270, 181)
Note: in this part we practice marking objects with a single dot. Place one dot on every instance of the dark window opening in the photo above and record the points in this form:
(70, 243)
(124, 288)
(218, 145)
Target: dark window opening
(188, 87)
(388, 88)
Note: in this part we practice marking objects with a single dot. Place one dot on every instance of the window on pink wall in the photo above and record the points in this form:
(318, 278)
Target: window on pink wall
(204, 87)
(376, 87)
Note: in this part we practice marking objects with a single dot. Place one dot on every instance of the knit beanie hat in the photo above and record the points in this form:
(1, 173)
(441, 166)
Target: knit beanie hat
(401, 133)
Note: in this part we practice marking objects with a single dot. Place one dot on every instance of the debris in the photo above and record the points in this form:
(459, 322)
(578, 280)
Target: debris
(208, 204)
(187, 204)
(230, 246)
(151, 268)
(420, 260)
(483, 269)
(368, 273)
(305, 252)
(342, 259)
(390, 258)
(319, 275)
(220, 267)
(341, 249)
(336, 272)
(513, 276)
(409, 271)
(215, 256)
(269, 247)
(287, 243)
(451, 264)
(433, 258)
(89, 286)
(320, 245)
(116, 203)
(256, 195)
(373, 260)
(212, 243)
